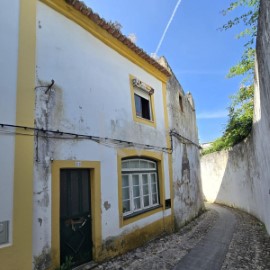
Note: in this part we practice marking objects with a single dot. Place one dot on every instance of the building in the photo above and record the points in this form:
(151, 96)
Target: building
(85, 138)
(187, 190)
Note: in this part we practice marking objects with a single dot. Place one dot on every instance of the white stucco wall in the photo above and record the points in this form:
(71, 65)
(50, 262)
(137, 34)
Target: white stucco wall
(9, 25)
(226, 177)
(240, 177)
(187, 188)
(91, 96)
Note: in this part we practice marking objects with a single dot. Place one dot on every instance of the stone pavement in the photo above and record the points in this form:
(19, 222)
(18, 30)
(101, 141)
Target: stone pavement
(242, 243)
(210, 252)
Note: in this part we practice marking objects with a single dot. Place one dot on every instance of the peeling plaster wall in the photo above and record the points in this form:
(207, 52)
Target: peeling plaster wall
(91, 95)
(187, 189)
(240, 177)
(9, 25)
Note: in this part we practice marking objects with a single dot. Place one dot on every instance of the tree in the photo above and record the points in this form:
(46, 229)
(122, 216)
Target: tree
(241, 109)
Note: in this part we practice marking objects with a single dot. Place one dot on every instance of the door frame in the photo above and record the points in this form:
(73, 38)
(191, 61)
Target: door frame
(95, 187)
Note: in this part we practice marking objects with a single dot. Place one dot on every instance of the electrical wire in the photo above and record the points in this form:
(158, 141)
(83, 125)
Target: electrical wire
(57, 134)
(183, 139)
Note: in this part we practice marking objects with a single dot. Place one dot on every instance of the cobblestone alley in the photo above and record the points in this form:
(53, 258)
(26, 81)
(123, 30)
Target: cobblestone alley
(221, 238)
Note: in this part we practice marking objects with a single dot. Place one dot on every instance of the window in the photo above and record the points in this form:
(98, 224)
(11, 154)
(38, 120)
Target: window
(142, 102)
(181, 103)
(139, 185)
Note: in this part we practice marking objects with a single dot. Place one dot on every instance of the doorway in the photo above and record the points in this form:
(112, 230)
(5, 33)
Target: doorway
(75, 216)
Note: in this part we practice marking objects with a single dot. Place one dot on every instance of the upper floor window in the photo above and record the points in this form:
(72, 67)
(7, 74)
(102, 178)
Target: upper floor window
(181, 103)
(139, 185)
(142, 102)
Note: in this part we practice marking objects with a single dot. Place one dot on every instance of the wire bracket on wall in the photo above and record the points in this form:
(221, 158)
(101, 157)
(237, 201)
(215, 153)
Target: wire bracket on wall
(49, 87)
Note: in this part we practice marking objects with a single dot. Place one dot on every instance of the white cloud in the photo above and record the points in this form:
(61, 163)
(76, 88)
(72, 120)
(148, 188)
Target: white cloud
(212, 115)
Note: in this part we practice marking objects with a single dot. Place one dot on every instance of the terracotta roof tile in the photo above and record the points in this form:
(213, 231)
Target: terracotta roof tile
(86, 11)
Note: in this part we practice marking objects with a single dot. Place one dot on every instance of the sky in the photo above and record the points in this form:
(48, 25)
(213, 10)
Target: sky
(199, 54)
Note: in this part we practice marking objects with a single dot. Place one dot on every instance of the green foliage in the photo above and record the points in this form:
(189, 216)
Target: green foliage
(240, 121)
(241, 109)
(67, 265)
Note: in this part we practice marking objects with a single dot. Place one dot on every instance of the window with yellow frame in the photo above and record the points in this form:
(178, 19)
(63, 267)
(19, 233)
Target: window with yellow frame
(142, 98)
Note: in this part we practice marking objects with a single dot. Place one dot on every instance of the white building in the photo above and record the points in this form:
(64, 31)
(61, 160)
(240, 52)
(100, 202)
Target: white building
(86, 139)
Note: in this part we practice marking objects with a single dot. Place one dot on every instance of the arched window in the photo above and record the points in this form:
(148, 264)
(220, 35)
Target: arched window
(139, 185)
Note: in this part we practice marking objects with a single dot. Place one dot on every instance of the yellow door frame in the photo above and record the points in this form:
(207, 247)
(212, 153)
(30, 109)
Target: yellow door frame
(95, 185)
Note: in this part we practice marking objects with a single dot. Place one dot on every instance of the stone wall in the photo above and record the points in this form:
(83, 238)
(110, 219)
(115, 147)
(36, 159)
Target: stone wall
(240, 177)
(187, 192)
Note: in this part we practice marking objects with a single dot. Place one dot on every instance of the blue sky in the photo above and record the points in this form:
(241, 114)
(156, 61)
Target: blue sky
(199, 54)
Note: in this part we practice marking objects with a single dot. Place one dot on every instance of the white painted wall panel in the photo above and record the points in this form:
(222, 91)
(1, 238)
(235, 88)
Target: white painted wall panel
(91, 96)
(9, 29)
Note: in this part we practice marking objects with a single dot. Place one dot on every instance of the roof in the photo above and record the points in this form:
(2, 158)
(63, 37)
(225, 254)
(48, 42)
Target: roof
(102, 23)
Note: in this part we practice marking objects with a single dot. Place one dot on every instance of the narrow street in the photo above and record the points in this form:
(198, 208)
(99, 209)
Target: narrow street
(221, 238)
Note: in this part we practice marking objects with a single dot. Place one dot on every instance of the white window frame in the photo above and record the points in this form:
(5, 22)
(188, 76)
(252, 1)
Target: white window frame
(143, 95)
(153, 193)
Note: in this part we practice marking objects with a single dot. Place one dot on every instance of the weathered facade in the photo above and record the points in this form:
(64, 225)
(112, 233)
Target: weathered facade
(240, 177)
(187, 200)
(16, 155)
(85, 129)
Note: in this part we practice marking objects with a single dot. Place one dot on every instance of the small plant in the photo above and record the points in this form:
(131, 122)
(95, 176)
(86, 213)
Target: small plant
(66, 265)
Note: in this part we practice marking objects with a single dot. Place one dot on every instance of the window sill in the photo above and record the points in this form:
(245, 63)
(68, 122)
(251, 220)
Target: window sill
(145, 121)
(141, 214)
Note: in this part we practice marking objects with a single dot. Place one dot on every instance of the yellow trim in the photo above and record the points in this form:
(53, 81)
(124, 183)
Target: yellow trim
(140, 120)
(169, 145)
(19, 254)
(126, 152)
(80, 19)
(94, 167)
(136, 238)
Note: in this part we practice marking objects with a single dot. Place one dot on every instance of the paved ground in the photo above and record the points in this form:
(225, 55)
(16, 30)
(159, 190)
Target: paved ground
(219, 239)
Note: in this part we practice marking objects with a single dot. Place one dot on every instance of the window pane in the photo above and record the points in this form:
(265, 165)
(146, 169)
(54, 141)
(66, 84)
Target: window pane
(124, 164)
(135, 179)
(144, 164)
(145, 179)
(136, 191)
(138, 105)
(152, 165)
(154, 198)
(153, 178)
(145, 189)
(146, 201)
(154, 188)
(134, 164)
(126, 193)
(125, 182)
(137, 203)
(126, 206)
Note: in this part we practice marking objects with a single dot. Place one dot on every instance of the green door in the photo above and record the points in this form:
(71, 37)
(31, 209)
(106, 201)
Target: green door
(75, 216)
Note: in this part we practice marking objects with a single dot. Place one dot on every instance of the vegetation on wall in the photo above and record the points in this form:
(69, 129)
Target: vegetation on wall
(240, 114)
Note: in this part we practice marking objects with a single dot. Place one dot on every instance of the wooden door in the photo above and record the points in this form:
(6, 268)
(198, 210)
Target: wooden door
(75, 216)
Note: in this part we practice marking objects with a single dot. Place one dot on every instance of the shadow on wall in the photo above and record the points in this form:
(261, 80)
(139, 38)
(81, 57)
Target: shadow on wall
(240, 177)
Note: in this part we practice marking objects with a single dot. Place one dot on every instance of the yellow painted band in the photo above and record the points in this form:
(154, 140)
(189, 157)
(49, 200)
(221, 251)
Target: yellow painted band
(129, 241)
(169, 146)
(19, 254)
